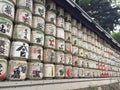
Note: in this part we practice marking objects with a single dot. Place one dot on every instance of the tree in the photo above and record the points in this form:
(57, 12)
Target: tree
(102, 12)
(116, 36)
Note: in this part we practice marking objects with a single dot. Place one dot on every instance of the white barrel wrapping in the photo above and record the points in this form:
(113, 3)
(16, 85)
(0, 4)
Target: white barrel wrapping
(60, 57)
(49, 55)
(50, 5)
(68, 47)
(60, 44)
(50, 17)
(59, 71)
(68, 59)
(3, 69)
(24, 16)
(80, 52)
(37, 37)
(74, 22)
(60, 12)
(38, 23)
(39, 9)
(80, 62)
(74, 31)
(19, 50)
(81, 72)
(68, 71)
(35, 70)
(75, 50)
(22, 32)
(50, 29)
(75, 71)
(80, 43)
(36, 53)
(74, 40)
(4, 46)
(68, 26)
(74, 60)
(49, 70)
(17, 70)
(6, 26)
(79, 26)
(60, 22)
(25, 3)
(67, 17)
(80, 34)
(60, 33)
(68, 37)
(7, 8)
(50, 42)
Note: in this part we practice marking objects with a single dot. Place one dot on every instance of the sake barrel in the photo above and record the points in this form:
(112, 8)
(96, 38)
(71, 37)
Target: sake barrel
(50, 17)
(79, 25)
(80, 43)
(60, 33)
(81, 72)
(84, 37)
(24, 16)
(50, 29)
(80, 34)
(80, 62)
(74, 40)
(3, 69)
(74, 22)
(67, 17)
(4, 47)
(75, 50)
(75, 72)
(60, 22)
(68, 37)
(39, 10)
(38, 23)
(35, 70)
(68, 26)
(19, 50)
(74, 31)
(49, 56)
(7, 9)
(36, 53)
(68, 47)
(80, 52)
(68, 71)
(68, 59)
(60, 44)
(49, 70)
(74, 60)
(50, 42)
(14, 1)
(60, 12)
(17, 70)
(50, 5)
(88, 73)
(60, 57)
(25, 3)
(40, 1)
(6, 27)
(37, 37)
(22, 32)
(59, 71)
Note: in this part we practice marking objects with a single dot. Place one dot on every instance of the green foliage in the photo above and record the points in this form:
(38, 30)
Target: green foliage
(102, 12)
(116, 36)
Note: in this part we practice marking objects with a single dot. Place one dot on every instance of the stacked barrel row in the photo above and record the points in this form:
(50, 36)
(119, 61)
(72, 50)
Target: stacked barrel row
(38, 39)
